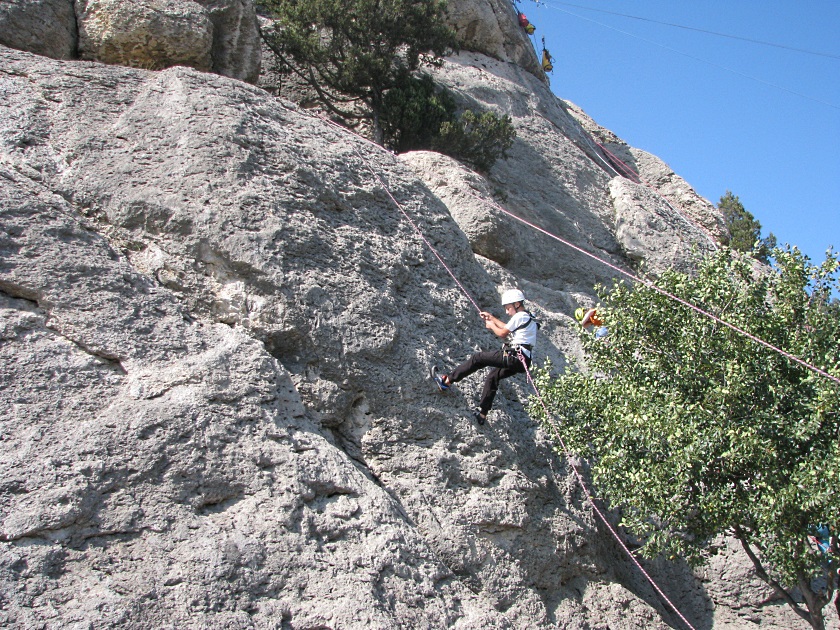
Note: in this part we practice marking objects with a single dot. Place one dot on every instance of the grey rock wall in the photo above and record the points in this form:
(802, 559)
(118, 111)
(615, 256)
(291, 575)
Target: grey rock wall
(215, 328)
(236, 38)
(491, 27)
(216, 332)
(44, 27)
(221, 36)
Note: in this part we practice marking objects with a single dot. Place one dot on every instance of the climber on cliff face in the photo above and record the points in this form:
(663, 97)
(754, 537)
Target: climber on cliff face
(591, 322)
(520, 335)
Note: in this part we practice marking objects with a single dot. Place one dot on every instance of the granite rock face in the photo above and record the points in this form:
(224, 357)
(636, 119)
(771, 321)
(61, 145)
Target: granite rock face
(43, 27)
(491, 27)
(215, 330)
(236, 48)
(220, 36)
(151, 34)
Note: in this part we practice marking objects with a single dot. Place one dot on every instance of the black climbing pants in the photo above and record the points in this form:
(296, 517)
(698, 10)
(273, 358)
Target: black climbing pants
(503, 365)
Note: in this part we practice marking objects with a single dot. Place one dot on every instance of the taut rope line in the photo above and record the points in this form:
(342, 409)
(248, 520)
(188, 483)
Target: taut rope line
(589, 497)
(633, 277)
(661, 291)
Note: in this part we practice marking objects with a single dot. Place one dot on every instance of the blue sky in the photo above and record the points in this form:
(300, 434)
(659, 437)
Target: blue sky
(725, 114)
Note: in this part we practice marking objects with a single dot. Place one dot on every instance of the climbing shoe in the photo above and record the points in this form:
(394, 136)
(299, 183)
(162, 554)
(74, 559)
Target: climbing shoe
(480, 419)
(438, 379)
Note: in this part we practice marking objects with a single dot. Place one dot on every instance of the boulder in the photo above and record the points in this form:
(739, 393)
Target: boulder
(221, 36)
(236, 49)
(43, 27)
(150, 34)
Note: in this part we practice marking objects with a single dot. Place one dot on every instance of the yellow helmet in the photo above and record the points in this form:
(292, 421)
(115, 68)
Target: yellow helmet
(579, 313)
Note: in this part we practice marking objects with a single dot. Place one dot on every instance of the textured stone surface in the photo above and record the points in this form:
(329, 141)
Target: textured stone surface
(675, 196)
(44, 27)
(236, 38)
(491, 27)
(555, 177)
(151, 34)
(215, 333)
(217, 330)
(212, 35)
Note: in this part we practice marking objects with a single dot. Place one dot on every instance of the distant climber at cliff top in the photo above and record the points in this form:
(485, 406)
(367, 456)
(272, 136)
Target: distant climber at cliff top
(520, 335)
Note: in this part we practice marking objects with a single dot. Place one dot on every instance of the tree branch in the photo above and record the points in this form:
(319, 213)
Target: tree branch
(326, 98)
(762, 573)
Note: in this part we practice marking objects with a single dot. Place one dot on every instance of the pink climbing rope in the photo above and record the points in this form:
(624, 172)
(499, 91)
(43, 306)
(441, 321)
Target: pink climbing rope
(636, 178)
(667, 294)
(418, 230)
(399, 205)
(628, 172)
(591, 498)
(633, 277)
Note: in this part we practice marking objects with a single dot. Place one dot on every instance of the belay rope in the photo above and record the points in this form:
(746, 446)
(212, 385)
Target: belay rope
(550, 421)
(589, 496)
(661, 291)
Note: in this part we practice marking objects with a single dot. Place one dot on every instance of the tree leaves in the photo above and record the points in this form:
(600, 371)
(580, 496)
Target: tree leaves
(695, 430)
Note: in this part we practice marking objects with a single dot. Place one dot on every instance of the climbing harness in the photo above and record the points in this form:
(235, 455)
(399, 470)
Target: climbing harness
(531, 318)
(509, 349)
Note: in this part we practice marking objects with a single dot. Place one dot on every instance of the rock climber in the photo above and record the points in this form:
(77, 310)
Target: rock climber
(591, 322)
(520, 335)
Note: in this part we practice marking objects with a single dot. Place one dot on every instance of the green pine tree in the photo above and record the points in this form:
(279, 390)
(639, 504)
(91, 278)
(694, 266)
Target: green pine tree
(352, 52)
(744, 228)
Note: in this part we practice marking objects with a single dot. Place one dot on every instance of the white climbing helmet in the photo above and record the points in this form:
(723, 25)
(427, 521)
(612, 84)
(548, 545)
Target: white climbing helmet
(512, 295)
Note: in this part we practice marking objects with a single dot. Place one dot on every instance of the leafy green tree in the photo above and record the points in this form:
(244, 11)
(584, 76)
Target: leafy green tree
(694, 430)
(351, 52)
(479, 139)
(414, 110)
(744, 228)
